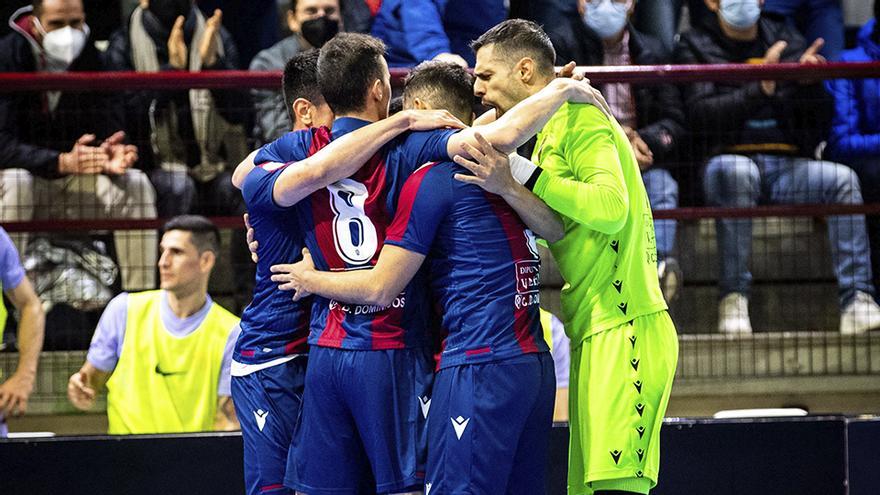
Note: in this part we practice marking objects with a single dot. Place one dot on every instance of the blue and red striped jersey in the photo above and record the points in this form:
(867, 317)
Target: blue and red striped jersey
(273, 326)
(345, 227)
(483, 263)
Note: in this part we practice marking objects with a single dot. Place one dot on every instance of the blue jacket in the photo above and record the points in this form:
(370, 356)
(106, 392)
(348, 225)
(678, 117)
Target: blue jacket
(417, 30)
(855, 130)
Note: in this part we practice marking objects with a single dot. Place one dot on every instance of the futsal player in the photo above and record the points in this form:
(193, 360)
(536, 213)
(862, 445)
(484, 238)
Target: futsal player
(623, 344)
(493, 398)
(269, 360)
(368, 382)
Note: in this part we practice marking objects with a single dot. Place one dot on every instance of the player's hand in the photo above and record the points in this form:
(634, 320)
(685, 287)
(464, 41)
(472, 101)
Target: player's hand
(83, 158)
(252, 243)
(292, 276)
(644, 155)
(773, 55)
(177, 45)
(451, 58)
(491, 168)
(14, 394)
(426, 120)
(568, 71)
(208, 48)
(81, 396)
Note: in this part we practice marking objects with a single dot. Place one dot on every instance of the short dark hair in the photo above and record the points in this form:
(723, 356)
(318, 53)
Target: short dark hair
(38, 6)
(519, 38)
(347, 67)
(300, 80)
(292, 6)
(395, 105)
(205, 235)
(444, 85)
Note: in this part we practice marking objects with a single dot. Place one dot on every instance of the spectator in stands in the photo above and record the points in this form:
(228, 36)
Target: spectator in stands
(418, 30)
(564, 23)
(661, 18)
(188, 139)
(815, 19)
(855, 130)
(16, 389)
(760, 137)
(62, 154)
(312, 23)
(165, 355)
(651, 115)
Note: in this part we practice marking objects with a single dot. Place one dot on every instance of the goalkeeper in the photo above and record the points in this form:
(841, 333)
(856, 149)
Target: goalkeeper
(624, 344)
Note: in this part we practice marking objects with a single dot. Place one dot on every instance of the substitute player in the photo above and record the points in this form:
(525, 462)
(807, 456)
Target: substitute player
(623, 344)
(363, 357)
(492, 404)
(268, 378)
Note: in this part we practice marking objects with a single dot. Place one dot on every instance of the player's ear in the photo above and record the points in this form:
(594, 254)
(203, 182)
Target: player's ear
(420, 104)
(303, 111)
(525, 70)
(207, 259)
(377, 90)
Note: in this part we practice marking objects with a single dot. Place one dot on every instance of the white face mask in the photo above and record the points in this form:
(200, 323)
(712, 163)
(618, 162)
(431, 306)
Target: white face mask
(740, 14)
(63, 45)
(606, 17)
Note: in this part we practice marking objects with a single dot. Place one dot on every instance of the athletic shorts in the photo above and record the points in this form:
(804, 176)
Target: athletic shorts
(268, 404)
(363, 422)
(620, 384)
(489, 427)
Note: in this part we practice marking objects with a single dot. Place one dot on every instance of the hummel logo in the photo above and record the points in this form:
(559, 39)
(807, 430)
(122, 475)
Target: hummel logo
(640, 408)
(617, 285)
(632, 340)
(615, 245)
(459, 424)
(167, 373)
(622, 307)
(641, 430)
(638, 385)
(427, 488)
(261, 416)
(635, 364)
(425, 404)
(615, 454)
(640, 453)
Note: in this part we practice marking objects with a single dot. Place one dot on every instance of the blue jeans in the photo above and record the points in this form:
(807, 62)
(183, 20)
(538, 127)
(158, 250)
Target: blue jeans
(743, 181)
(663, 194)
(815, 19)
(869, 175)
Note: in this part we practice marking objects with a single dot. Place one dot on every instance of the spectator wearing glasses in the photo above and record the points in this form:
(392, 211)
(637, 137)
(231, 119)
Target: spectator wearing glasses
(855, 130)
(312, 23)
(651, 115)
(62, 154)
(760, 137)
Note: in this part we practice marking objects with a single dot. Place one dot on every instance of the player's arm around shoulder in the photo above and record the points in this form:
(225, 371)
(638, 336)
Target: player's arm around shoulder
(584, 179)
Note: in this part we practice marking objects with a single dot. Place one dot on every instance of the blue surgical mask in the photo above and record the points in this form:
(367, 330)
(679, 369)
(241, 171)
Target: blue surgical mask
(606, 17)
(740, 14)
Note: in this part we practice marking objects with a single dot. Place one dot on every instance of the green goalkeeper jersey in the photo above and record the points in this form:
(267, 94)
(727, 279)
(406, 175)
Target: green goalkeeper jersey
(608, 256)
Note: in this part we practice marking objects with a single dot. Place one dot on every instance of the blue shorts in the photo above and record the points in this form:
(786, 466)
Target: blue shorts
(363, 422)
(489, 427)
(268, 404)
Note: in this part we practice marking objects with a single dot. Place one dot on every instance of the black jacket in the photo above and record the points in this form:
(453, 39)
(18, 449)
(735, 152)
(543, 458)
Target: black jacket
(659, 111)
(234, 104)
(726, 113)
(32, 137)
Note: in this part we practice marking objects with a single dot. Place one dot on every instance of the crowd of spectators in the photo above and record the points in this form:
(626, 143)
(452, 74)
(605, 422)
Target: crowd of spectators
(149, 154)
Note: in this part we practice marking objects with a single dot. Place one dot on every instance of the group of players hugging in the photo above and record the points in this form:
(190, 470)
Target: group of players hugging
(398, 256)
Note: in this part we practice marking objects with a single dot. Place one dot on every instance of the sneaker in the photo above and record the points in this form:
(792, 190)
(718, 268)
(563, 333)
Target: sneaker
(860, 315)
(733, 314)
(669, 273)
